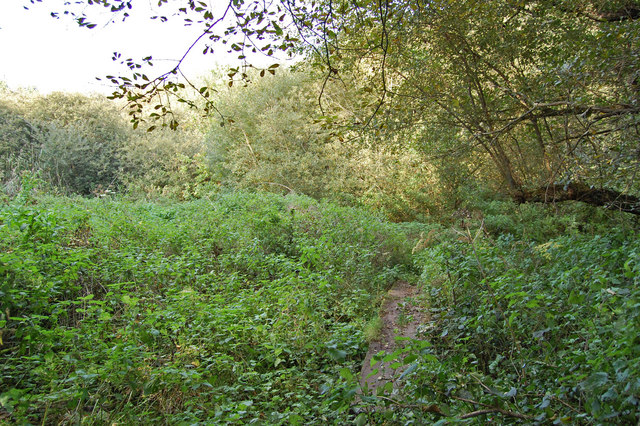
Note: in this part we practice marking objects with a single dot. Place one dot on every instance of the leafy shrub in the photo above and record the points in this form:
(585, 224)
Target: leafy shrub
(82, 139)
(20, 146)
(72, 140)
(275, 138)
(535, 221)
(536, 332)
(167, 163)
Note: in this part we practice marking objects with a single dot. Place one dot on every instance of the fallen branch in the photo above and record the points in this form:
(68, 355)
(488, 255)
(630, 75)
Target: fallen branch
(604, 197)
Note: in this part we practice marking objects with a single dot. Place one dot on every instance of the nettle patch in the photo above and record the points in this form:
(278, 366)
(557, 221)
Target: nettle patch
(237, 309)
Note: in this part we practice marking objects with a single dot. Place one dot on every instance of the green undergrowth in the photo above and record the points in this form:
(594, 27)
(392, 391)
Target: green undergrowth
(534, 319)
(243, 308)
(257, 309)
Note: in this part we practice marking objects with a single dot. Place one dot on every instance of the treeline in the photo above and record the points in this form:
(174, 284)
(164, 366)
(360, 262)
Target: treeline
(84, 145)
(270, 136)
(536, 101)
(404, 106)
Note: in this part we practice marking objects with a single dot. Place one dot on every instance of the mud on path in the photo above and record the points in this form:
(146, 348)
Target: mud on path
(402, 313)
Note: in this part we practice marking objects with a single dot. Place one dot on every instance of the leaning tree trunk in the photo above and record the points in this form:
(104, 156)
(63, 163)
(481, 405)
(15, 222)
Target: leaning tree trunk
(607, 198)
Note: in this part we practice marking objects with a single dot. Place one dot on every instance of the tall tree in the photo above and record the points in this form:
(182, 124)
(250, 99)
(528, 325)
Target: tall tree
(547, 90)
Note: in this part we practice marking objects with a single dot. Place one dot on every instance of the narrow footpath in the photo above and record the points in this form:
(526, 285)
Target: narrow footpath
(402, 313)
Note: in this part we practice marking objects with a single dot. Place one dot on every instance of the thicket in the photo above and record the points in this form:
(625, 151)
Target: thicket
(533, 318)
(253, 307)
(73, 140)
(243, 307)
(537, 99)
(271, 136)
(277, 138)
(81, 144)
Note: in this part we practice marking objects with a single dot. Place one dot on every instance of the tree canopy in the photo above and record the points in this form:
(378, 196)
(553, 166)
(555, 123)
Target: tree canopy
(539, 94)
(547, 91)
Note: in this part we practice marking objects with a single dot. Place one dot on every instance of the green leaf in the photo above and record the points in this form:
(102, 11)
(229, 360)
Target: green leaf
(295, 419)
(512, 392)
(361, 420)
(409, 370)
(576, 298)
(409, 359)
(337, 354)
(373, 373)
(594, 381)
(346, 374)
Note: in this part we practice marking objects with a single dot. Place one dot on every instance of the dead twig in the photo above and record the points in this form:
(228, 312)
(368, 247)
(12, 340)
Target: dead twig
(488, 409)
(495, 410)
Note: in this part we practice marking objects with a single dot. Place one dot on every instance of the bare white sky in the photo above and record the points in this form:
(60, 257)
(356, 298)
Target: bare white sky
(50, 54)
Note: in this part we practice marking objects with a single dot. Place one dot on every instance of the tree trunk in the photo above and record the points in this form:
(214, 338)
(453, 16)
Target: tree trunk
(607, 198)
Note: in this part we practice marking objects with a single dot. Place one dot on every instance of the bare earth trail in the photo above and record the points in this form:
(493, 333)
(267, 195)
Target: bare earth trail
(402, 313)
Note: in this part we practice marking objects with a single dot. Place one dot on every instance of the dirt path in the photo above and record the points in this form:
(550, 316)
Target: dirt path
(402, 313)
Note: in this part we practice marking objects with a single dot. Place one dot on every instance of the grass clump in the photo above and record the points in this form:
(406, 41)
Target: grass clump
(372, 329)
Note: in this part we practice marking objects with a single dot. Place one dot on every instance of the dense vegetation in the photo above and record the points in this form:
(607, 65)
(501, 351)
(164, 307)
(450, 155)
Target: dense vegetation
(241, 307)
(223, 259)
(539, 315)
(538, 96)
